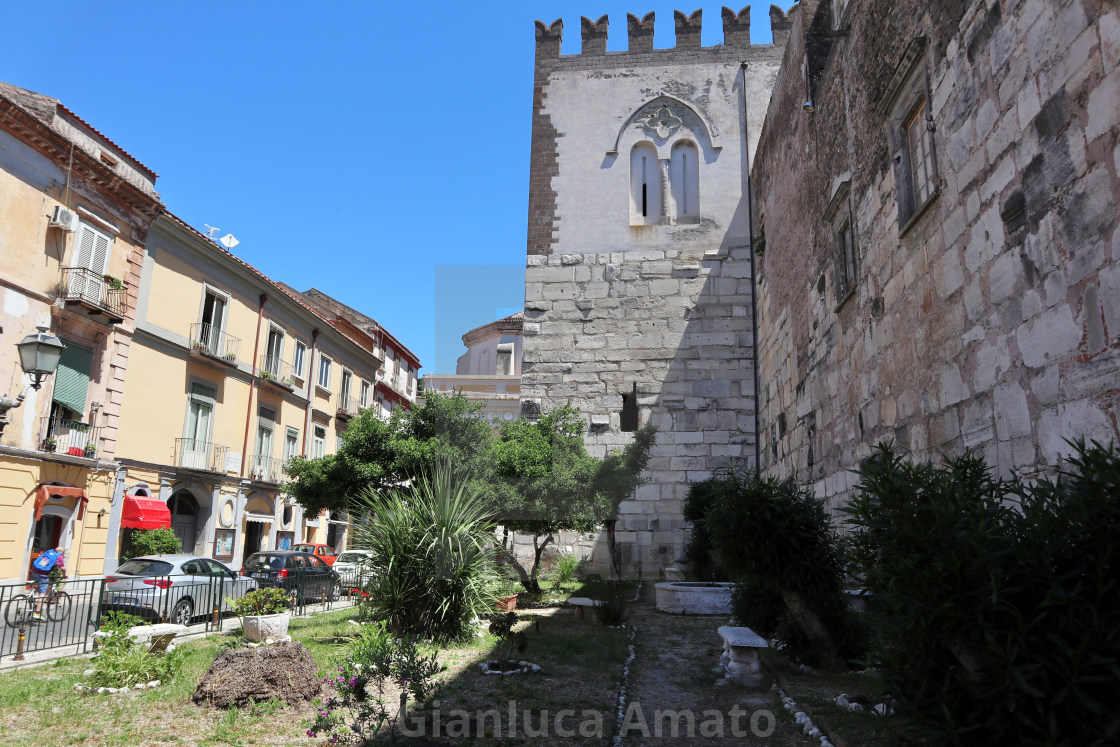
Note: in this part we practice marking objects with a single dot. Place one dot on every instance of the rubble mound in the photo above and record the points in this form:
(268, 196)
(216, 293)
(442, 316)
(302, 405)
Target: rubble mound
(239, 677)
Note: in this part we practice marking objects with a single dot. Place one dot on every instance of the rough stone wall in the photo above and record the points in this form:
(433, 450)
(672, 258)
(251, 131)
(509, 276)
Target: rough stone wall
(661, 310)
(991, 321)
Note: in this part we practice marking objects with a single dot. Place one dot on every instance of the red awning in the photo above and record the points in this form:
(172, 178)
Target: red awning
(46, 491)
(144, 513)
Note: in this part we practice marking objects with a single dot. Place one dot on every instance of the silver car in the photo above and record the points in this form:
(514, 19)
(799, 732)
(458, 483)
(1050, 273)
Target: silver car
(352, 566)
(174, 588)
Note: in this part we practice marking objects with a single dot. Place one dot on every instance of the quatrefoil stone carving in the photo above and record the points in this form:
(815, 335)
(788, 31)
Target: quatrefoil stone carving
(662, 121)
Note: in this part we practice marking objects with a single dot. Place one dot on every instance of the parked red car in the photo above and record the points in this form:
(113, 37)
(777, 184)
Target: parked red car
(325, 553)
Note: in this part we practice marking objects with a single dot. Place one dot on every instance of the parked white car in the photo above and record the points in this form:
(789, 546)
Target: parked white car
(174, 588)
(351, 565)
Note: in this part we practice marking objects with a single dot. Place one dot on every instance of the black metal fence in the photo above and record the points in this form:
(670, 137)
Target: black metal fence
(65, 616)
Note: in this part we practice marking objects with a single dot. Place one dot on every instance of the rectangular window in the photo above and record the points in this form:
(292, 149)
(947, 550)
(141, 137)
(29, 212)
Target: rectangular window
(291, 444)
(274, 351)
(297, 359)
(213, 321)
(71, 381)
(344, 389)
(324, 373)
(90, 258)
(266, 424)
(847, 260)
(318, 441)
(364, 401)
(919, 145)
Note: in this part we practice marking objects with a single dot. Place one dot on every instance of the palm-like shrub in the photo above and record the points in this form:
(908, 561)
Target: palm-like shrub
(428, 546)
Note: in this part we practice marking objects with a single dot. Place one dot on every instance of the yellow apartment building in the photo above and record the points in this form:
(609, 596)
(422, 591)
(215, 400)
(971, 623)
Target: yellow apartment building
(230, 376)
(75, 209)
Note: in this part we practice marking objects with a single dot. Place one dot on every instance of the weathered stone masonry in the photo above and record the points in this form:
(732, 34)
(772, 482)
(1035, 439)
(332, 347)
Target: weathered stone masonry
(991, 319)
(661, 309)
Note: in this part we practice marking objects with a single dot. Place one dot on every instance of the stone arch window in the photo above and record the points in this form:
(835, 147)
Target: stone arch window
(645, 185)
(684, 181)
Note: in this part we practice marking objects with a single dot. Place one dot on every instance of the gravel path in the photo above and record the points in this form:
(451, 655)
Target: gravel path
(672, 674)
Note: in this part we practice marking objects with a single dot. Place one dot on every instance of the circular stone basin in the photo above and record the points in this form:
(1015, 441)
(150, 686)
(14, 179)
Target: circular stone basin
(694, 597)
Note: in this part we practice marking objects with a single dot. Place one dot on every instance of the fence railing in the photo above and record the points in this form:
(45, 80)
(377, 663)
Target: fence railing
(69, 437)
(274, 369)
(208, 340)
(267, 469)
(191, 453)
(86, 286)
(69, 614)
(347, 407)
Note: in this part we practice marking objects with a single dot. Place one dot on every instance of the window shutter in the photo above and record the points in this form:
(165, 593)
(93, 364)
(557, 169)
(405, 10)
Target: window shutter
(71, 383)
(204, 395)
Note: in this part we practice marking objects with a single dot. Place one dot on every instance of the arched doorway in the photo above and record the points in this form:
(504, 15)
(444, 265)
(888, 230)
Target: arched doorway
(184, 518)
(54, 526)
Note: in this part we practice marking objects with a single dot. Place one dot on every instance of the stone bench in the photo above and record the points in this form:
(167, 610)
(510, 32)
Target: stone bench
(740, 655)
(581, 603)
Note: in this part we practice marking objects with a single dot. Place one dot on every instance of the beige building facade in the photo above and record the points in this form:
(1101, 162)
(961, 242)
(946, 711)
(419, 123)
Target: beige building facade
(489, 371)
(75, 209)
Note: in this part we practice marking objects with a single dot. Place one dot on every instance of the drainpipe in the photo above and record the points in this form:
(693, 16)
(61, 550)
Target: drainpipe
(252, 385)
(310, 398)
(750, 250)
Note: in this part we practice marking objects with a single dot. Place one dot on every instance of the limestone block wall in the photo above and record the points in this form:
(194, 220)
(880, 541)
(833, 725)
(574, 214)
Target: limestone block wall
(990, 320)
(659, 311)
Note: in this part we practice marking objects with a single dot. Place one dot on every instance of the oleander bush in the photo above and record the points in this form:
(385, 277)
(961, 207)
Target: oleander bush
(774, 540)
(999, 600)
(699, 552)
(145, 542)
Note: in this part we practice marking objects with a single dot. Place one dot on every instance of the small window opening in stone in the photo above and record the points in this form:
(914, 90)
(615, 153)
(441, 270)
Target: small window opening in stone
(645, 189)
(628, 420)
(107, 159)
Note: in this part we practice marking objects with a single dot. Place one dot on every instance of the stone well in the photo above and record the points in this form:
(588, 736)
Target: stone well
(694, 597)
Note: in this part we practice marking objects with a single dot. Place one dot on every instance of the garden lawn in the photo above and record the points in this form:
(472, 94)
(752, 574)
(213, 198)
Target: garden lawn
(581, 664)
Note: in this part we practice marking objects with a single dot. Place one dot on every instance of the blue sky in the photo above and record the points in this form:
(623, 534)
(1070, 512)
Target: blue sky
(368, 149)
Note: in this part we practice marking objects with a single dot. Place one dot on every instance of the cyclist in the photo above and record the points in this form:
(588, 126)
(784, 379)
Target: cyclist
(42, 569)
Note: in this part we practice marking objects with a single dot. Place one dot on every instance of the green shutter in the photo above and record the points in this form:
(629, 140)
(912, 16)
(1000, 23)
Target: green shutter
(72, 378)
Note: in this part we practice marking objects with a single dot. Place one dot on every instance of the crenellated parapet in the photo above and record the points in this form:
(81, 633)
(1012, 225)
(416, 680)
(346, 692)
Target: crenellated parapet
(780, 24)
(549, 38)
(688, 29)
(639, 32)
(737, 27)
(594, 35)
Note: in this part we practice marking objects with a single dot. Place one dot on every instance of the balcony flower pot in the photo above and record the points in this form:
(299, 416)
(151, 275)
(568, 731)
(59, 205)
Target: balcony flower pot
(49, 445)
(263, 627)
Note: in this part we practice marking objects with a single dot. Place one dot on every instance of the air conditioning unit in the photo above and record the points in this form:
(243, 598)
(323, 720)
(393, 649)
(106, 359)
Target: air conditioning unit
(65, 219)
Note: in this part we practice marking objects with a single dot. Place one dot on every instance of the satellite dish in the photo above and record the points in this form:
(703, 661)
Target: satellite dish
(228, 241)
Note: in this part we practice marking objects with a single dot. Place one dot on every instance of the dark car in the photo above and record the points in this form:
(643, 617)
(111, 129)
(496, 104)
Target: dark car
(304, 574)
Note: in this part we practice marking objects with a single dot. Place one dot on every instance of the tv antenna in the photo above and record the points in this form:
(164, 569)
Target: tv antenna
(228, 241)
(211, 230)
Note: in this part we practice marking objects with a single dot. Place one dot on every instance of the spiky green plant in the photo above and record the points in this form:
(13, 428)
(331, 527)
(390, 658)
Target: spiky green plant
(428, 546)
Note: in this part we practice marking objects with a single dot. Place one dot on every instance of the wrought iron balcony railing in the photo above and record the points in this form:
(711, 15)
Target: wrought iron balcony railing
(208, 340)
(267, 469)
(347, 407)
(101, 294)
(273, 369)
(69, 437)
(190, 453)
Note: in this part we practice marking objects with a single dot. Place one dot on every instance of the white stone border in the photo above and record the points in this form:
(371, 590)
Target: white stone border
(525, 668)
(801, 717)
(623, 685)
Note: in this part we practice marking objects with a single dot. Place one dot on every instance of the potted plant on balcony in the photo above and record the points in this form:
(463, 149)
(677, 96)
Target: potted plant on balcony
(114, 283)
(49, 444)
(264, 374)
(231, 357)
(264, 613)
(91, 449)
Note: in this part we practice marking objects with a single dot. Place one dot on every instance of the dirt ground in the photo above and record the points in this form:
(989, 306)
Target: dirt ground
(672, 674)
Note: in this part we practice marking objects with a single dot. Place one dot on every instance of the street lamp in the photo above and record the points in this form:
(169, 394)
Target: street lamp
(39, 353)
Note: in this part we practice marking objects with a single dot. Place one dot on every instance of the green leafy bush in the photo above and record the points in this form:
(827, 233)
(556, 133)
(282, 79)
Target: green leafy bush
(567, 565)
(612, 611)
(1000, 600)
(773, 537)
(121, 662)
(143, 542)
(267, 601)
(430, 546)
(373, 662)
(700, 554)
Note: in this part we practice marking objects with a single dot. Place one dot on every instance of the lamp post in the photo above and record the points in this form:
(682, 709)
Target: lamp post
(39, 353)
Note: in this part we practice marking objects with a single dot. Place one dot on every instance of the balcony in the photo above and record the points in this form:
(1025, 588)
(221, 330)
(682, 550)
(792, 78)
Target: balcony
(69, 437)
(99, 295)
(190, 453)
(347, 408)
(267, 469)
(276, 372)
(210, 342)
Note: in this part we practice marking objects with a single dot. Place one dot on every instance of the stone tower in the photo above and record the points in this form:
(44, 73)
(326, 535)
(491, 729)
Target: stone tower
(638, 295)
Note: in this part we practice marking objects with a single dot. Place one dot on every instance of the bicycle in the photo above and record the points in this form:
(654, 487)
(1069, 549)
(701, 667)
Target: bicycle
(20, 609)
